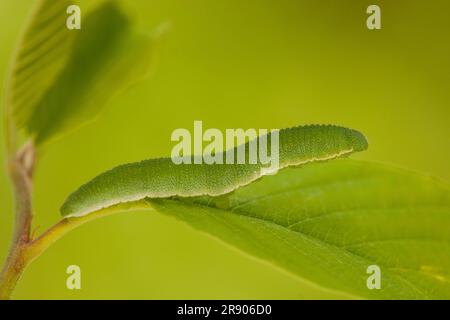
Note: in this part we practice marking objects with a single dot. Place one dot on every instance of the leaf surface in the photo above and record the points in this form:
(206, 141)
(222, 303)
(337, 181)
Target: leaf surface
(42, 53)
(62, 78)
(326, 223)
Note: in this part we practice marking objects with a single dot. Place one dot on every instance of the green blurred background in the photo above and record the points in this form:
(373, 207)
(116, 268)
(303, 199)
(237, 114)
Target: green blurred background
(235, 63)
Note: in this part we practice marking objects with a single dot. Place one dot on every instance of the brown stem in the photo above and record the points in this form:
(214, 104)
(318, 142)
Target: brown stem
(20, 169)
(12, 270)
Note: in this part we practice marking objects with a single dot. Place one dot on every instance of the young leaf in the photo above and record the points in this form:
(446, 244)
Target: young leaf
(61, 78)
(327, 223)
(41, 55)
(161, 178)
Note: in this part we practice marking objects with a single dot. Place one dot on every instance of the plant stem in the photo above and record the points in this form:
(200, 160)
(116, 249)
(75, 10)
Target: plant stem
(24, 253)
(12, 271)
(20, 168)
(58, 230)
(23, 249)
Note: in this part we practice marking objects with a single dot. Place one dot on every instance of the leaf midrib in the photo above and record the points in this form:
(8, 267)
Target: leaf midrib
(300, 187)
(356, 209)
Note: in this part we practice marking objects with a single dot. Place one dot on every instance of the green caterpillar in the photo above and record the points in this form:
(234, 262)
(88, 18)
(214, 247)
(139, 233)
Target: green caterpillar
(161, 178)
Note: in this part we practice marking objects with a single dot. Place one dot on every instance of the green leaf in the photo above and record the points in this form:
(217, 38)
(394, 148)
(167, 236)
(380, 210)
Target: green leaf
(326, 223)
(161, 178)
(62, 78)
(41, 55)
